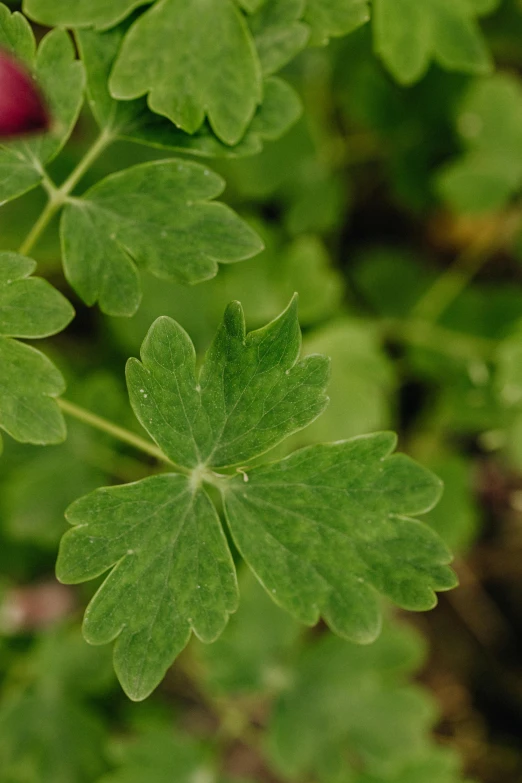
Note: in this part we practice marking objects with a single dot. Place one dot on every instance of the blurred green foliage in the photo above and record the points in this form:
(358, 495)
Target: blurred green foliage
(382, 172)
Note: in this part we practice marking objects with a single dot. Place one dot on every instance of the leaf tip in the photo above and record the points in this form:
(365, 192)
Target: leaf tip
(234, 319)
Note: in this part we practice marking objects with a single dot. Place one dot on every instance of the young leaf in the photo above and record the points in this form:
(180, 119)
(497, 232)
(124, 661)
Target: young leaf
(278, 33)
(172, 573)
(330, 18)
(133, 120)
(224, 85)
(156, 215)
(335, 522)
(29, 307)
(80, 13)
(252, 391)
(61, 78)
(408, 35)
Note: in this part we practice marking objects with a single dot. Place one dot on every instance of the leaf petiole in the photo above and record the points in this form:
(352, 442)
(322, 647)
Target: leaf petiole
(120, 433)
(58, 196)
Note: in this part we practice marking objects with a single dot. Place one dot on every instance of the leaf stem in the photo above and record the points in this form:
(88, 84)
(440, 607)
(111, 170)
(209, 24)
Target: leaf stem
(446, 341)
(105, 138)
(466, 266)
(58, 196)
(39, 227)
(120, 433)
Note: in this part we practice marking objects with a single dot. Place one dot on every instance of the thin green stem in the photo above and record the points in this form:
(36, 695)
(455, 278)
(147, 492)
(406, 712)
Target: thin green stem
(120, 433)
(93, 153)
(446, 341)
(58, 196)
(49, 211)
(467, 265)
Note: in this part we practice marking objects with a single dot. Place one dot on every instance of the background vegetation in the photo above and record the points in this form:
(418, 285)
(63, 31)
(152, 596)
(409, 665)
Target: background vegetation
(392, 205)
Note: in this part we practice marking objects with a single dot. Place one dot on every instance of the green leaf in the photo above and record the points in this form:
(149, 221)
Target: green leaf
(278, 34)
(434, 765)
(61, 78)
(324, 530)
(335, 522)
(171, 573)
(224, 85)
(266, 283)
(254, 652)
(490, 125)
(29, 307)
(16, 35)
(132, 120)
(163, 756)
(484, 7)
(49, 731)
(348, 708)
(361, 386)
(251, 393)
(508, 378)
(331, 18)
(456, 517)
(80, 13)
(409, 35)
(33, 493)
(156, 215)
(28, 386)
(251, 6)
(281, 108)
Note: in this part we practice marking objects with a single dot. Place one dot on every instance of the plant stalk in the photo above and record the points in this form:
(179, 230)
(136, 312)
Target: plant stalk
(58, 196)
(467, 265)
(120, 433)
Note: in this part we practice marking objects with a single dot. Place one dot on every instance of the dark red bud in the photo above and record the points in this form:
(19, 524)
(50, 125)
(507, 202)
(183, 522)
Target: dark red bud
(22, 108)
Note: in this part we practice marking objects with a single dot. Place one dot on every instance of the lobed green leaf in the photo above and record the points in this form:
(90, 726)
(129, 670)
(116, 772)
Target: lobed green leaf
(347, 708)
(157, 215)
(251, 393)
(336, 526)
(16, 35)
(279, 35)
(224, 85)
(80, 13)
(325, 531)
(29, 306)
(29, 382)
(332, 18)
(489, 172)
(408, 35)
(62, 80)
(171, 573)
(133, 120)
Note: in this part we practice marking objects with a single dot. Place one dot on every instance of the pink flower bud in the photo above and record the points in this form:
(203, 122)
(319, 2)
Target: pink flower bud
(22, 108)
